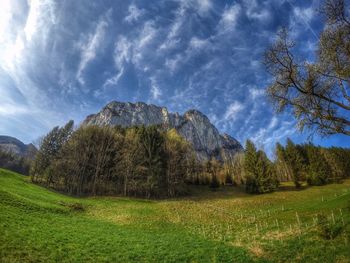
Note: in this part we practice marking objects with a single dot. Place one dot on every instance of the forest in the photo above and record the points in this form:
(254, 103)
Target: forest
(152, 162)
(14, 162)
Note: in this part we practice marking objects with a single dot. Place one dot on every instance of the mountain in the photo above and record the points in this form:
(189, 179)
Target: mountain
(193, 126)
(13, 145)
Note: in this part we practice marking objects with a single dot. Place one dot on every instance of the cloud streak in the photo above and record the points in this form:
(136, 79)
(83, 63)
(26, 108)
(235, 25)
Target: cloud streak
(62, 60)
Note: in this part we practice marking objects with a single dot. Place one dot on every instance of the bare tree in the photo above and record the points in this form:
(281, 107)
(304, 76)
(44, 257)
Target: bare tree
(317, 92)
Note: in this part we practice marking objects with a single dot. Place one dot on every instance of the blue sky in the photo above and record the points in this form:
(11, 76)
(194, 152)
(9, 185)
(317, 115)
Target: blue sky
(62, 60)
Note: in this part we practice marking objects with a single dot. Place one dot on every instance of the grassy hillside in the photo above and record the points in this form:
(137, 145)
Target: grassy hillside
(37, 225)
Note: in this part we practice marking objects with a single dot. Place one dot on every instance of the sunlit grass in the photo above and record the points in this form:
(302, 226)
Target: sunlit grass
(224, 226)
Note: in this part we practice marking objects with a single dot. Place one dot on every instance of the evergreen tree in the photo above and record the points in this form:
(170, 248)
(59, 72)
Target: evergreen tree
(319, 171)
(295, 162)
(260, 176)
(282, 166)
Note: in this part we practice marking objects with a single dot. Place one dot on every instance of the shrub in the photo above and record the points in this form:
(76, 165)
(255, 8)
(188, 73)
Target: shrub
(326, 229)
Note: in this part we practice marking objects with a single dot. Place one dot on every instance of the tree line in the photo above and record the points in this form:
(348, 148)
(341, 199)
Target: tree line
(314, 164)
(136, 161)
(14, 162)
(153, 162)
(298, 163)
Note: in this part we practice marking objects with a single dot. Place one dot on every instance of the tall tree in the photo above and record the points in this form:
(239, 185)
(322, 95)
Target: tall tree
(318, 170)
(177, 153)
(50, 146)
(295, 162)
(283, 169)
(317, 92)
(260, 176)
(152, 143)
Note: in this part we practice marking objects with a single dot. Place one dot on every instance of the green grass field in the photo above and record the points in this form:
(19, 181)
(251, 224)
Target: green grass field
(38, 225)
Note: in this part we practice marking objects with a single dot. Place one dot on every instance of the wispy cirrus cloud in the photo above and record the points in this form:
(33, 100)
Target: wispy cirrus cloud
(91, 46)
(233, 110)
(134, 14)
(229, 17)
(64, 59)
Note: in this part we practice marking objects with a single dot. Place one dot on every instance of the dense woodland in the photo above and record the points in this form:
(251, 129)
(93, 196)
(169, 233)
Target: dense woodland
(14, 162)
(151, 162)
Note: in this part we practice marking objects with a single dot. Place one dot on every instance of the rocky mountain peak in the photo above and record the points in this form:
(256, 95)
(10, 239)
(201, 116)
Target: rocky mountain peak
(193, 126)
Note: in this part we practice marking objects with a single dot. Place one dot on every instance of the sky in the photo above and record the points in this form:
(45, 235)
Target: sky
(66, 59)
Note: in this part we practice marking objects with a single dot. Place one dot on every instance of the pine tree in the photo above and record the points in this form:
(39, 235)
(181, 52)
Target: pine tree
(295, 162)
(260, 175)
(282, 167)
(319, 171)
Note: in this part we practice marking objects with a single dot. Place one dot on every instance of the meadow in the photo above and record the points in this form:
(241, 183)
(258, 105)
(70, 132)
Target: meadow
(227, 225)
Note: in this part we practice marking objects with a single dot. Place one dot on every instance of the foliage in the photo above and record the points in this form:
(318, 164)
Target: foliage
(14, 162)
(93, 160)
(50, 147)
(319, 170)
(234, 169)
(295, 161)
(317, 165)
(177, 161)
(260, 175)
(327, 229)
(318, 92)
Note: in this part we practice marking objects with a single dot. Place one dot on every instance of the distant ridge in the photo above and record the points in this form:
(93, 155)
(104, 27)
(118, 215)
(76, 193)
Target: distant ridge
(193, 126)
(15, 146)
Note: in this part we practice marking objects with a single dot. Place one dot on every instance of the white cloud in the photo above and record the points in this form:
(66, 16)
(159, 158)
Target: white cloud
(122, 52)
(275, 131)
(256, 93)
(122, 55)
(229, 17)
(301, 19)
(134, 13)
(155, 89)
(232, 111)
(255, 11)
(204, 6)
(141, 43)
(173, 63)
(147, 35)
(8, 109)
(40, 12)
(198, 43)
(90, 48)
(172, 38)
(305, 14)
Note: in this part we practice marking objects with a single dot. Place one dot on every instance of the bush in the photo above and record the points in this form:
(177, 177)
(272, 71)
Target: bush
(326, 229)
(314, 178)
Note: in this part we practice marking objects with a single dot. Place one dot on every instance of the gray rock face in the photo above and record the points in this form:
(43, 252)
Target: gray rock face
(193, 126)
(15, 146)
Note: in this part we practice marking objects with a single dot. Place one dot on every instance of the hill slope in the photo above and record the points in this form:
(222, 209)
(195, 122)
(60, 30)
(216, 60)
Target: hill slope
(39, 225)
